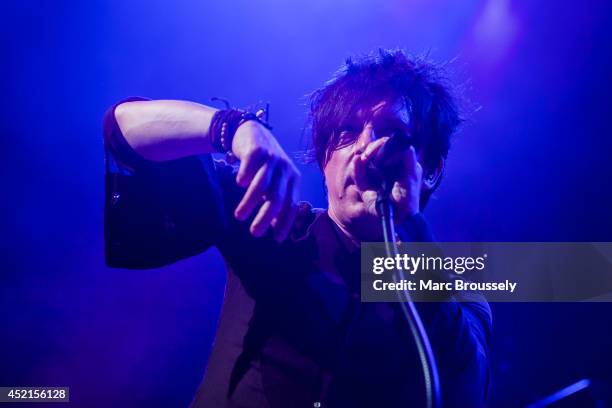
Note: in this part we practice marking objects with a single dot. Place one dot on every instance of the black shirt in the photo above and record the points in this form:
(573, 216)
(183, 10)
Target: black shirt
(292, 331)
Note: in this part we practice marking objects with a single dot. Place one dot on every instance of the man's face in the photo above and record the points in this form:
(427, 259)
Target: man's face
(351, 207)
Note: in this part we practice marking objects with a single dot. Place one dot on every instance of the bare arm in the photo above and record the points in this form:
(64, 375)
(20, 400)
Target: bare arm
(165, 129)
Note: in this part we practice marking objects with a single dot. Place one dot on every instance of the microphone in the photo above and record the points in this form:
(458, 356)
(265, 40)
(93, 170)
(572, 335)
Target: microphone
(387, 166)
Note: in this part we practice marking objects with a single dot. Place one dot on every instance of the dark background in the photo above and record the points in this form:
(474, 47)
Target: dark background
(531, 164)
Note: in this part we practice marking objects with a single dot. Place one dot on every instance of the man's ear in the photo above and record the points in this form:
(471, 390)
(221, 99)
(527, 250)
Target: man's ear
(432, 176)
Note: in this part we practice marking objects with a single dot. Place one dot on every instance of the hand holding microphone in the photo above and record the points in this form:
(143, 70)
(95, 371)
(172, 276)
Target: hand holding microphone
(392, 160)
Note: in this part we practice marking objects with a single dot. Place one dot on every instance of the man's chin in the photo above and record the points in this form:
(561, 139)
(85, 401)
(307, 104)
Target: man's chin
(363, 220)
(360, 200)
(367, 204)
(358, 209)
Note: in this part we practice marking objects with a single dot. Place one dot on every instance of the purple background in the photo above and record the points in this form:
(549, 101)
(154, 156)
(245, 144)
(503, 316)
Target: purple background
(532, 164)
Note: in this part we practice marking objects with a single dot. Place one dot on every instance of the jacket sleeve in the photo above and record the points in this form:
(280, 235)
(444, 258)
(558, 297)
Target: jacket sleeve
(156, 213)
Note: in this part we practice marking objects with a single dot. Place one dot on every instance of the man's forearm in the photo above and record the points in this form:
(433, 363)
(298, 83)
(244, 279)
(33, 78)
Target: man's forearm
(165, 129)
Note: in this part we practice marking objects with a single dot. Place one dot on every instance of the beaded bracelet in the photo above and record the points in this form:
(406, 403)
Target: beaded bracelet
(223, 127)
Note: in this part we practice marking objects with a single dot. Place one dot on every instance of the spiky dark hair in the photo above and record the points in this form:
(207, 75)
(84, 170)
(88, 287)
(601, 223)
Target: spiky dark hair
(388, 75)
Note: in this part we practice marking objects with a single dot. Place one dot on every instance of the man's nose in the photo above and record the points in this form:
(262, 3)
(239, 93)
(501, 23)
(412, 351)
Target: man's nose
(366, 137)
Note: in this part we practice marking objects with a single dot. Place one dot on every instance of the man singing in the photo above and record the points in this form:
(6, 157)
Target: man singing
(293, 332)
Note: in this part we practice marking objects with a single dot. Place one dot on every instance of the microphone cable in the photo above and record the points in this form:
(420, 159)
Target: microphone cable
(421, 339)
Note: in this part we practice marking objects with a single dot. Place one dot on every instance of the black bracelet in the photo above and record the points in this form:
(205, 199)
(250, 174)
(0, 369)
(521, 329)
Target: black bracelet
(224, 124)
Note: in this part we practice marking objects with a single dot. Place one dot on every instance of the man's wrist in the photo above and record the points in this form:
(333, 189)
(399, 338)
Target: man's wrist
(224, 128)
